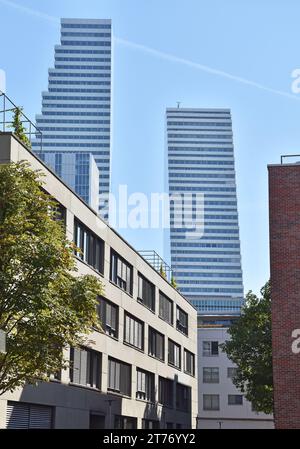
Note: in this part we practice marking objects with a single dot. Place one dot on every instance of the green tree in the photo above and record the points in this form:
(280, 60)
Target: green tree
(162, 271)
(173, 282)
(250, 348)
(18, 127)
(44, 305)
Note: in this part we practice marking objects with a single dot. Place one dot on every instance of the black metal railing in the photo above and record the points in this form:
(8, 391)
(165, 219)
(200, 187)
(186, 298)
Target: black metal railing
(289, 156)
(157, 263)
(7, 113)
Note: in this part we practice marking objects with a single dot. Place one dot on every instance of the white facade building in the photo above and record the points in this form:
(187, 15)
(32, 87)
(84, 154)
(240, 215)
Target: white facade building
(221, 404)
(145, 358)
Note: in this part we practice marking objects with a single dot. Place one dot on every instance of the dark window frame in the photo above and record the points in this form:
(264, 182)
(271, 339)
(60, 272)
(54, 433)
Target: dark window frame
(163, 312)
(172, 345)
(147, 299)
(108, 329)
(148, 393)
(115, 278)
(93, 368)
(120, 381)
(139, 322)
(153, 341)
(91, 246)
(180, 325)
(165, 392)
(191, 372)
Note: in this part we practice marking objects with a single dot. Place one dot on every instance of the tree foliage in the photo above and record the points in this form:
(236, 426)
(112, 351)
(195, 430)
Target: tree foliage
(44, 305)
(173, 282)
(250, 348)
(162, 271)
(18, 127)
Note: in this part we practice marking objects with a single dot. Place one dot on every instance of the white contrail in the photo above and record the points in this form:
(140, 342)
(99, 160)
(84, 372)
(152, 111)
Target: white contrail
(203, 68)
(161, 54)
(32, 12)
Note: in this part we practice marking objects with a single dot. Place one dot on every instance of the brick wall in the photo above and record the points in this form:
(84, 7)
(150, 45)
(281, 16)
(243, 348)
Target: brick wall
(284, 209)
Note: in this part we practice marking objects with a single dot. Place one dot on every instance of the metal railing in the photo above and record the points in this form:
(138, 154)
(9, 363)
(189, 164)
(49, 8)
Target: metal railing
(289, 156)
(7, 112)
(157, 263)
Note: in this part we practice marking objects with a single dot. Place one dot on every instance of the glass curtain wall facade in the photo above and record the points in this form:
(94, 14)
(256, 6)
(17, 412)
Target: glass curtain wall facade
(206, 262)
(78, 170)
(76, 108)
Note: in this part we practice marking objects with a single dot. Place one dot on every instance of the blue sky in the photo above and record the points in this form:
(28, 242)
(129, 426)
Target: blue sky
(256, 41)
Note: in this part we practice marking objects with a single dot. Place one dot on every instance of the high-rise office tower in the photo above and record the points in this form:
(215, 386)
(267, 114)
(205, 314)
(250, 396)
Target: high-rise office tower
(78, 170)
(206, 260)
(76, 108)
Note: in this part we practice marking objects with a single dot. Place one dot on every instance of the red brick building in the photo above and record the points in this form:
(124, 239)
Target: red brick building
(284, 206)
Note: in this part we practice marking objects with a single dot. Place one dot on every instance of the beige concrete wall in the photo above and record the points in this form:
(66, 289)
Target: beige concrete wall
(73, 404)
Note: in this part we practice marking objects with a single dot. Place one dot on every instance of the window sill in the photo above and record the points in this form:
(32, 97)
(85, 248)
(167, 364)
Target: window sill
(150, 403)
(173, 366)
(119, 395)
(57, 381)
(140, 301)
(89, 266)
(133, 347)
(189, 374)
(167, 322)
(104, 333)
(86, 387)
(156, 358)
(122, 290)
(183, 333)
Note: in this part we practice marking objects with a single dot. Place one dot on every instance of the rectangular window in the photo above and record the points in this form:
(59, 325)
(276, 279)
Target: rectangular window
(174, 354)
(165, 308)
(90, 247)
(125, 422)
(189, 362)
(119, 377)
(97, 421)
(156, 343)
(183, 397)
(85, 367)
(211, 375)
(121, 272)
(211, 402)
(146, 292)
(133, 331)
(210, 348)
(145, 385)
(181, 320)
(232, 372)
(235, 399)
(165, 392)
(150, 424)
(109, 317)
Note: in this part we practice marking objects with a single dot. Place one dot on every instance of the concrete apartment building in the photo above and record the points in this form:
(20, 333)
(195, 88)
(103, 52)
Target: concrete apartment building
(141, 371)
(221, 404)
(284, 216)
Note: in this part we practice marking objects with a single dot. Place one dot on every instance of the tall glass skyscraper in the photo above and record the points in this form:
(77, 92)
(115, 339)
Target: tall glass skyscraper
(78, 170)
(206, 261)
(76, 108)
